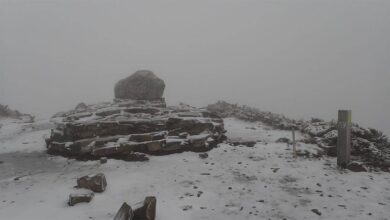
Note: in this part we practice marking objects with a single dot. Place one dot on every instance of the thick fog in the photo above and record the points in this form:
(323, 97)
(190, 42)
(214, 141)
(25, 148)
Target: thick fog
(300, 58)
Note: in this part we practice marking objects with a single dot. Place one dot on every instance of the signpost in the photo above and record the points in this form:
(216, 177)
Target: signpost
(294, 144)
(344, 138)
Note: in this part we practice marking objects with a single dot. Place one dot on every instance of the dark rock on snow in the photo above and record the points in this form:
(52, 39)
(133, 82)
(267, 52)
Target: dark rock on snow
(357, 167)
(96, 183)
(79, 198)
(145, 210)
(124, 213)
(316, 211)
(245, 143)
(283, 140)
(204, 155)
(103, 160)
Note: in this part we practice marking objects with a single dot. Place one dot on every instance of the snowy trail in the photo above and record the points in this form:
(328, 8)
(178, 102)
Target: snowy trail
(263, 182)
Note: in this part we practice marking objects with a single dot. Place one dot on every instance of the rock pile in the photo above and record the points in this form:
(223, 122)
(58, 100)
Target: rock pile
(368, 145)
(126, 128)
(94, 183)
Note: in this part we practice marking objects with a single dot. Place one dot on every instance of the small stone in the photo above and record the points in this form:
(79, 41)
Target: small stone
(79, 198)
(316, 211)
(186, 207)
(283, 140)
(275, 169)
(103, 160)
(204, 155)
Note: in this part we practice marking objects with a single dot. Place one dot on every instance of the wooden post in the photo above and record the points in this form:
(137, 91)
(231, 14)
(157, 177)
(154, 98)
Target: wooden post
(294, 143)
(344, 138)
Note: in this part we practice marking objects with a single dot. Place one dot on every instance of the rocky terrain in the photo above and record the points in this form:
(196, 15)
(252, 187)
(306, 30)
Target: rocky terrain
(369, 146)
(229, 182)
(221, 162)
(6, 112)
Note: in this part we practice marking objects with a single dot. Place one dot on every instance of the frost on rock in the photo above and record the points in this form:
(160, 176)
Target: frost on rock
(368, 145)
(123, 127)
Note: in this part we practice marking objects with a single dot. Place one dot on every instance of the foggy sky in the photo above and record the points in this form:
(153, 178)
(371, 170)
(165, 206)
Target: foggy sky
(300, 58)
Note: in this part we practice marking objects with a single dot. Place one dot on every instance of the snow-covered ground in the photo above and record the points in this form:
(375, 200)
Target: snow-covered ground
(263, 182)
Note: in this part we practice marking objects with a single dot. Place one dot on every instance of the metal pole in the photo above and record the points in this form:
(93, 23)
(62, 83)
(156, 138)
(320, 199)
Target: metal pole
(344, 138)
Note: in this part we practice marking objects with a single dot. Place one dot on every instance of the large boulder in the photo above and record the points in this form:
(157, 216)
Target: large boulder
(142, 85)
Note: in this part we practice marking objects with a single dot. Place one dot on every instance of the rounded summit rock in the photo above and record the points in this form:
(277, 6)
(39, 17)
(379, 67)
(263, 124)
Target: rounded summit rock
(142, 85)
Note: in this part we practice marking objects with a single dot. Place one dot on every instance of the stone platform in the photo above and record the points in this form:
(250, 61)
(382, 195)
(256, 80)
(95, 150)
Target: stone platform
(124, 128)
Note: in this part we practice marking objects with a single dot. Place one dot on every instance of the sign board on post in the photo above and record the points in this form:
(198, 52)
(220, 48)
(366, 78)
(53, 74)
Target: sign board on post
(344, 138)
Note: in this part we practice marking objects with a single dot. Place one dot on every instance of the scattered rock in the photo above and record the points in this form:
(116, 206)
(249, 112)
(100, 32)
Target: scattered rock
(124, 213)
(283, 140)
(245, 143)
(147, 211)
(103, 160)
(186, 207)
(79, 198)
(275, 169)
(316, 211)
(204, 155)
(96, 183)
(356, 167)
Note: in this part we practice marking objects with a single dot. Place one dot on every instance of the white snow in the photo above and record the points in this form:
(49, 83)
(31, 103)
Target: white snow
(16, 136)
(263, 182)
